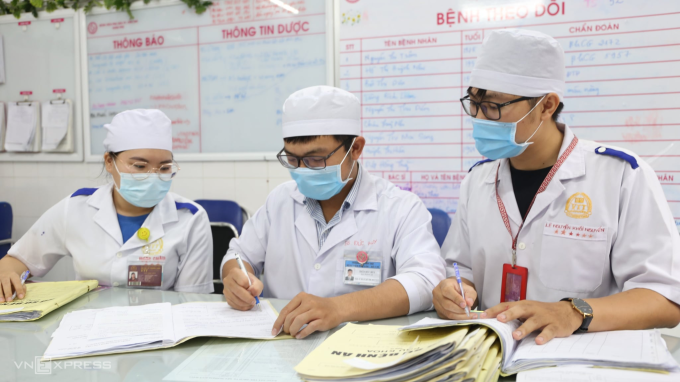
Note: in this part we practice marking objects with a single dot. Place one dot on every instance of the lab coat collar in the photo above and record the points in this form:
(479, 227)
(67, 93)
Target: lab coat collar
(106, 217)
(573, 167)
(367, 198)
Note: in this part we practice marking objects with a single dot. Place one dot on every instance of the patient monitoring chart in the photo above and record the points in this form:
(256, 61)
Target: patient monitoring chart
(410, 68)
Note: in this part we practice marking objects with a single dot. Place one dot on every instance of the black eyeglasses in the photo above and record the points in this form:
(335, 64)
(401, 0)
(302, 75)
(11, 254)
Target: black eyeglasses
(491, 110)
(314, 162)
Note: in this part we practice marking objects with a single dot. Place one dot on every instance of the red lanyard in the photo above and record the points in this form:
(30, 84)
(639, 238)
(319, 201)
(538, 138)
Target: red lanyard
(544, 185)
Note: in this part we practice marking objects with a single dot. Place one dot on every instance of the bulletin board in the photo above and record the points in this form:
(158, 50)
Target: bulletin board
(410, 65)
(221, 77)
(42, 57)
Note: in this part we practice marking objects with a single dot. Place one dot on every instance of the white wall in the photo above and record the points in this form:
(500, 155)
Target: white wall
(33, 187)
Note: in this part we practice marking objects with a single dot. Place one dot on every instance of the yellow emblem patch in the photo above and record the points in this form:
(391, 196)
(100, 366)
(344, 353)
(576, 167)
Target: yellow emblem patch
(156, 248)
(579, 206)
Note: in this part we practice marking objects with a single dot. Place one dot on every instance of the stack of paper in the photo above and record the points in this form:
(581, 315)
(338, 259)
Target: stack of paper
(56, 120)
(42, 298)
(22, 122)
(154, 326)
(630, 349)
(382, 353)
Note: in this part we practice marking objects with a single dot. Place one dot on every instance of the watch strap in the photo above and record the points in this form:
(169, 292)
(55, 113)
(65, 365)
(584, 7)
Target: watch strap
(586, 318)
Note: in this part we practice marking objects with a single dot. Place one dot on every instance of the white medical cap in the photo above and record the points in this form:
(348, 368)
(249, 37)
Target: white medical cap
(139, 129)
(520, 62)
(321, 110)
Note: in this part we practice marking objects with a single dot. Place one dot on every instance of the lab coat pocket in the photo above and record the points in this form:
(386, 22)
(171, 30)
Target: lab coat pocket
(573, 257)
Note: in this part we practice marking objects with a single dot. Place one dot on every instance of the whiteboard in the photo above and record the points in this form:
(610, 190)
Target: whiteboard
(42, 59)
(221, 77)
(410, 65)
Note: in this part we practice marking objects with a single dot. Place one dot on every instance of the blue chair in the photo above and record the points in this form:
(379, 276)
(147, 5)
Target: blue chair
(441, 221)
(226, 222)
(225, 211)
(5, 228)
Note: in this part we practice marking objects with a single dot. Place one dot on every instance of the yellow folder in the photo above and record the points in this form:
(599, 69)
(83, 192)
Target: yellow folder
(42, 298)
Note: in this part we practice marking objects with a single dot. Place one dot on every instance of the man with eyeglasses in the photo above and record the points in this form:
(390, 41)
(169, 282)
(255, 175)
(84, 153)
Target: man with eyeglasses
(565, 235)
(334, 216)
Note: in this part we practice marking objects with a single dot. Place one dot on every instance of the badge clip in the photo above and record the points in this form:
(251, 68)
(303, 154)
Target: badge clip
(144, 234)
(362, 257)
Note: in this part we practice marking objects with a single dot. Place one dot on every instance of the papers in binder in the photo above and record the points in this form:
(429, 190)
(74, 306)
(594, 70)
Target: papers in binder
(631, 349)
(22, 121)
(154, 326)
(56, 123)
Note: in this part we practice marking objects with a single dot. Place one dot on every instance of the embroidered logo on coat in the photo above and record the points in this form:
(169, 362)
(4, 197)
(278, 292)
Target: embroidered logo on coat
(579, 206)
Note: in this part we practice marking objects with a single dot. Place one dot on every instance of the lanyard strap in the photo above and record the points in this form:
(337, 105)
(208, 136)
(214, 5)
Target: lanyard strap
(544, 185)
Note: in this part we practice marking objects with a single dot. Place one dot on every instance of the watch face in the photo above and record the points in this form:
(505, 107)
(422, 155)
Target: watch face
(582, 306)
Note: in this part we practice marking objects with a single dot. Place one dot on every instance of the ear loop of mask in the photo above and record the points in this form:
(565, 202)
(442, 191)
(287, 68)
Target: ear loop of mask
(539, 125)
(343, 160)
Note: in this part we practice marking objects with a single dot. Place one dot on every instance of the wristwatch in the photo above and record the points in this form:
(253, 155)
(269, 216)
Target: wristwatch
(584, 309)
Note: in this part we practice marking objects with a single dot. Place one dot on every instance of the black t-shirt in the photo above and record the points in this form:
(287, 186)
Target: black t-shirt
(526, 184)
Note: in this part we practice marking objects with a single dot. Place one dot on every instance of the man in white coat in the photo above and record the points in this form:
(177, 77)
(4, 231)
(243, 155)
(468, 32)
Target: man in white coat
(564, 234)
(333, 217)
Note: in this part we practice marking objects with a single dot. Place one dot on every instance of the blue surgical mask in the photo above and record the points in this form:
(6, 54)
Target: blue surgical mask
(144, 193)
(321, 184)
(496, 140)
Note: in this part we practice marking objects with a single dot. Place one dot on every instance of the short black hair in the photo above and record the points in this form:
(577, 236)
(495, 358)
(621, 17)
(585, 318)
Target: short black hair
(346, 139)
(349, 270)
(481, 93)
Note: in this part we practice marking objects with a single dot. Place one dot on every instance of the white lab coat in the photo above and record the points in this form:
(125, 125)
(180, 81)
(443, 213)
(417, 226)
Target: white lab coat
(634, 242)
(281, 238)
(86, 228)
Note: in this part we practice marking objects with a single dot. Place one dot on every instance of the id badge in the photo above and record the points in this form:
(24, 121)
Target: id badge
(514, 284)
(145, 275)
(362, 268)
(146, 271)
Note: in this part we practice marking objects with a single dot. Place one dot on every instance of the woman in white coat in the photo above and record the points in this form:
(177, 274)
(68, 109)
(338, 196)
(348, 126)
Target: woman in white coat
(111, 231)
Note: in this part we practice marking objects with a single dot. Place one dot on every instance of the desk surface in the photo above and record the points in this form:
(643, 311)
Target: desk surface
(21, 343)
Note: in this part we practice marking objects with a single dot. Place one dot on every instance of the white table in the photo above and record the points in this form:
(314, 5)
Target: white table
(21, 343)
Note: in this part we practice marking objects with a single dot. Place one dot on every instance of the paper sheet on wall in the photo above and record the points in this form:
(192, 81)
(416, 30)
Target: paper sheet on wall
(55, 123)
(2, 61)
(244, 360)
(21, 124)
(2, 126)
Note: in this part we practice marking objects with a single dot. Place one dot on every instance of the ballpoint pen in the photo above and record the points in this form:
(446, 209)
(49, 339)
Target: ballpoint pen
(245, 272)
(462, 292)
(24, 276)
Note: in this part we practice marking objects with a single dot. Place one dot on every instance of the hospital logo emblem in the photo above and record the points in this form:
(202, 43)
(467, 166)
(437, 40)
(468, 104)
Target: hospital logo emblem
(579, 206)
(156, 248)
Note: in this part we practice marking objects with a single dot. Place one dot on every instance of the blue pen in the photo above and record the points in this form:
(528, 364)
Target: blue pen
(462, 292)
(245, 272)
(24, 276)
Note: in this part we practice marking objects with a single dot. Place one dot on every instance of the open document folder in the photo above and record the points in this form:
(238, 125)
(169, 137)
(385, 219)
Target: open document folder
(155, 326)
(629, 349)
(42, 298)
(382, 353)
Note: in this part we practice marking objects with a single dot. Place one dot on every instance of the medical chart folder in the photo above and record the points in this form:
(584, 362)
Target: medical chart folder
(57, 126)
(2, 126)
(124, 329)
(23, 133)
(624, 349)
(42, 298)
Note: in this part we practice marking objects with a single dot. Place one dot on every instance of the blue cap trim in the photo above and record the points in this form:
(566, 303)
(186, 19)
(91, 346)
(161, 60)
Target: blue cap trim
(480, 162)
(619, 154)
(188, 206)
(84, 191)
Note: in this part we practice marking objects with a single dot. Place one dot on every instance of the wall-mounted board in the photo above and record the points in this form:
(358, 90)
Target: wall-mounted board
(221, 76)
